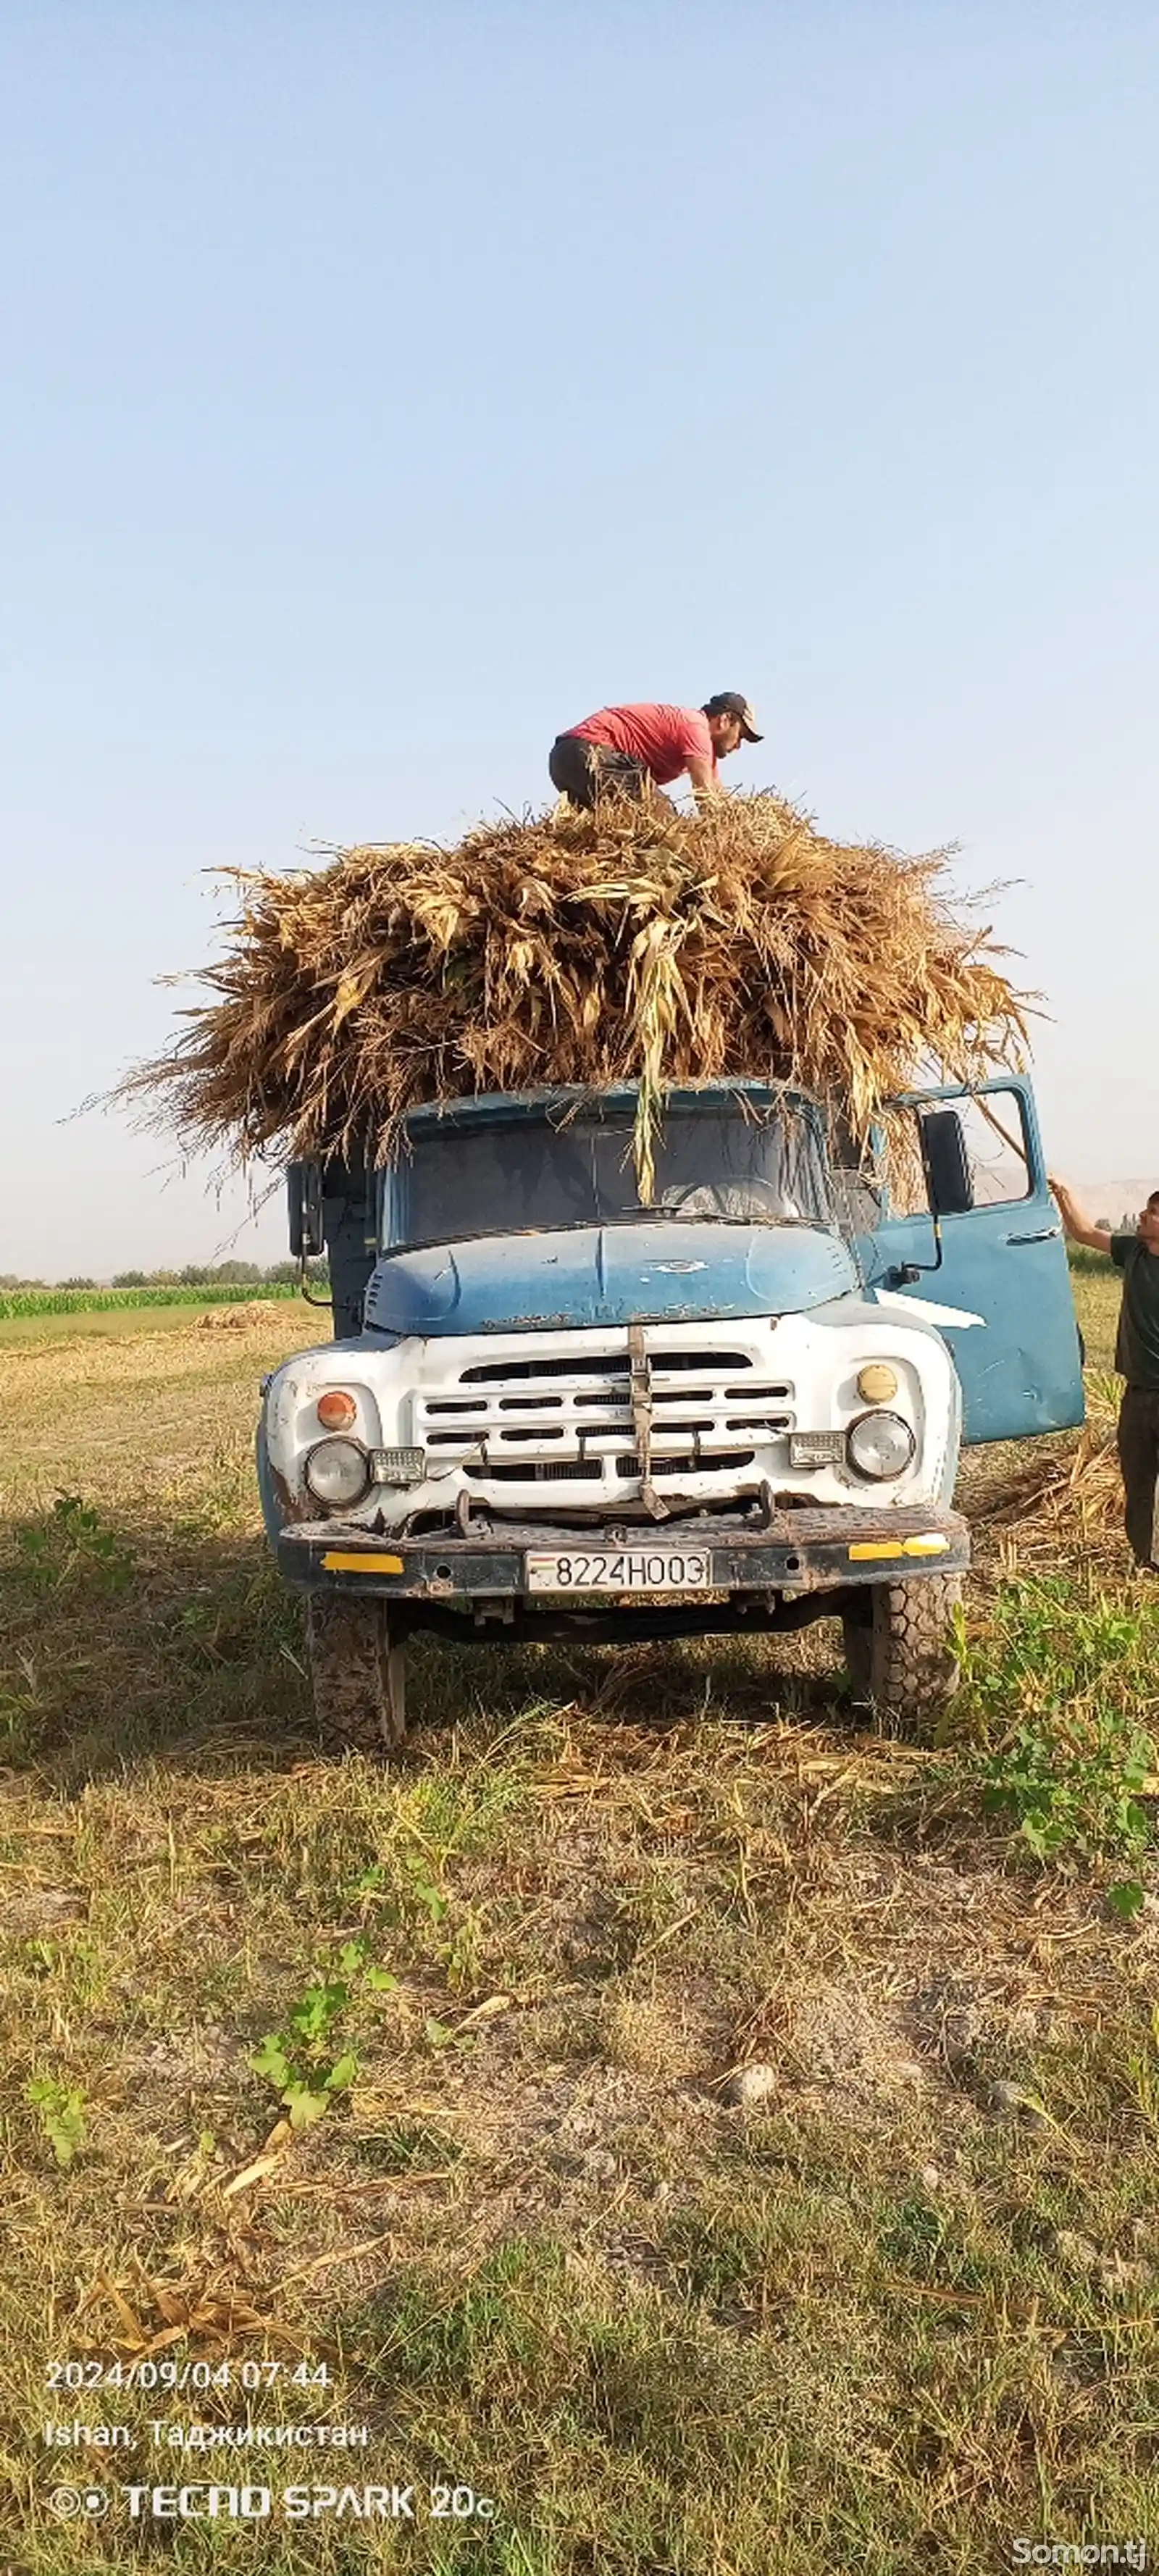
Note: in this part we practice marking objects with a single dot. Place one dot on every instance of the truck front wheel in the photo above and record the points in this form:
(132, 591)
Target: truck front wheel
(358, 1672)
(899, 1652)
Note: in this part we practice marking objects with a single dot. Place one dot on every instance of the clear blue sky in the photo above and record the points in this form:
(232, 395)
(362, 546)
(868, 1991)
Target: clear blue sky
(384, 388)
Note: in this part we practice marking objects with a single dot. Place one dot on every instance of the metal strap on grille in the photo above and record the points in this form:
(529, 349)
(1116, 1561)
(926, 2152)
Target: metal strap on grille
(641, 1396)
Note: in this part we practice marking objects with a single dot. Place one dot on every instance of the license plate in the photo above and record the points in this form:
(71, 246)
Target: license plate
(643, 1569)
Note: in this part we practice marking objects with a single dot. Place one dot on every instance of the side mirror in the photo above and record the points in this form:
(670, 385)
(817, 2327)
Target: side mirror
(947, 1165)
(304, 1194)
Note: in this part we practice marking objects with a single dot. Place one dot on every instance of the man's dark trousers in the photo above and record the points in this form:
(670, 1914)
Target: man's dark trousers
(582, 770)
(1139, 1460)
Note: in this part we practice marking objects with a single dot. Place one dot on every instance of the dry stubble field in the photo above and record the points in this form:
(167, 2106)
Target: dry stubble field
(901, 2313)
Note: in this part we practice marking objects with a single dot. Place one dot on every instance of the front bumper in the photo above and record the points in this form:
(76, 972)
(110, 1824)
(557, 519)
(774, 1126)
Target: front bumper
(791, 1556)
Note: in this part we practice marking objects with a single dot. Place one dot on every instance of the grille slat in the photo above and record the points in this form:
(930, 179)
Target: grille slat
(505, 1372)
(715, 1466)
(537, 1471)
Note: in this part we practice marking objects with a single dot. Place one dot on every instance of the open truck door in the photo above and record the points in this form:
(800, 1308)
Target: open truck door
(988, 1242)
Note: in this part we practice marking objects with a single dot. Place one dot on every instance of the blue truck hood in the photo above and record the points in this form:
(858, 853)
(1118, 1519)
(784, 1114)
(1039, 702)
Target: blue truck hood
(622, 1274)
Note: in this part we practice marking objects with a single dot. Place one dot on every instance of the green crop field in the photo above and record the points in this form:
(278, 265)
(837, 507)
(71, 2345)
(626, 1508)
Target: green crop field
(109, 1301)
(897, 2312)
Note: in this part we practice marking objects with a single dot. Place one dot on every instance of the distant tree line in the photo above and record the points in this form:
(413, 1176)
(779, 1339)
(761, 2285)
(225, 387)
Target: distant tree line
(223, 1274)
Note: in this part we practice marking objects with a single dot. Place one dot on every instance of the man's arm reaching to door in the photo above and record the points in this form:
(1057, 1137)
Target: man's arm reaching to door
(1079, 1227)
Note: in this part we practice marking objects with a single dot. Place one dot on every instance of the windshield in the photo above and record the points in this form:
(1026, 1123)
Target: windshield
(721, 1163)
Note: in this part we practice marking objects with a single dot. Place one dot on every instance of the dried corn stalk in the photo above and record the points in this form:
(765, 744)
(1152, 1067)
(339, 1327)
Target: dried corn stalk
(572, 949)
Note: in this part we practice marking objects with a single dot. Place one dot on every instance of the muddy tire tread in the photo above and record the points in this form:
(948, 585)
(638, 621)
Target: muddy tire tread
(901, 1659)
(348, 1646)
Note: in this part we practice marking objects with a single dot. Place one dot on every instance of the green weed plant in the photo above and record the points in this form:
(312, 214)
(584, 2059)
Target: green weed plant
(1054, 1694)
(60, 2109)
(74, 1538)
(309, 2060)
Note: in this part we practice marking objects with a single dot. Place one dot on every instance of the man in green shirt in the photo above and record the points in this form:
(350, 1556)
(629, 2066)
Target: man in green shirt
(1136, 1359)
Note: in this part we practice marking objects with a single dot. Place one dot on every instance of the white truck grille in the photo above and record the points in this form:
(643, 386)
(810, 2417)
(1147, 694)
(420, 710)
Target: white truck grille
(569, 1419)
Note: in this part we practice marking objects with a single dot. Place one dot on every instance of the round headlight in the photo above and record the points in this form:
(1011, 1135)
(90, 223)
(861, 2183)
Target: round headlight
(337, 1472)
(880, 1445)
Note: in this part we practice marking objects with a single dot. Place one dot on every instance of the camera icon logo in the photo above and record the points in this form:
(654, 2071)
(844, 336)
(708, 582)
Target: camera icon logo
(67, 2502)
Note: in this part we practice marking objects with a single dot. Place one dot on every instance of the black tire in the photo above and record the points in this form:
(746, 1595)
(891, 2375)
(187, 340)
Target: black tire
(357, 1673)
(899, 1653)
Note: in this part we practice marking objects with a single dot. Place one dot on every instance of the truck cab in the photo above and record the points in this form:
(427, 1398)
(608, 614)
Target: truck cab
(553, 1408)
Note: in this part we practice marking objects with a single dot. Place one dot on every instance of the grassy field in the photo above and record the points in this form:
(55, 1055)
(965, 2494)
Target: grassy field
(898, 2313)
(117, 1322)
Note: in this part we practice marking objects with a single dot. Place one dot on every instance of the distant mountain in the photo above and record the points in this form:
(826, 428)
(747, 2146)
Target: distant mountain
(1116, 1198)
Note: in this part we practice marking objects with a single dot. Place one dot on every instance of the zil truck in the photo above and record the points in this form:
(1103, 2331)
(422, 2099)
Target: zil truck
(550, 1410)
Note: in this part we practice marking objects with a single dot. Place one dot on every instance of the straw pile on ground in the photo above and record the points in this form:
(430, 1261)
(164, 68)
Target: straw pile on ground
(1069, 1500)
(579, 949)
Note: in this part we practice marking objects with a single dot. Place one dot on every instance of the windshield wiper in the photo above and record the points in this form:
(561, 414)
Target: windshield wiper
(677, 1216)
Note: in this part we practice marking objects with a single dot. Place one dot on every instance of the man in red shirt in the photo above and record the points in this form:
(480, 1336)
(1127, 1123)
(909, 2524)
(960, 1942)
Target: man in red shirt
(626, 750)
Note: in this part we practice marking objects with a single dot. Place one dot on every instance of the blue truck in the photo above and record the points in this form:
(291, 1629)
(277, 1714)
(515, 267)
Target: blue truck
(551, 1410)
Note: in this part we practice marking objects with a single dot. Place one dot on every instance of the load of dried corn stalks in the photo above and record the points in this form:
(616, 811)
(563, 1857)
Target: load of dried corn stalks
(580, 949)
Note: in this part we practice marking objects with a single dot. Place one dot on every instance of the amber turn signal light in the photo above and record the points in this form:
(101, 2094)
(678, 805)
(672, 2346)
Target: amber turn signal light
(877, 1382)
(337, 1410)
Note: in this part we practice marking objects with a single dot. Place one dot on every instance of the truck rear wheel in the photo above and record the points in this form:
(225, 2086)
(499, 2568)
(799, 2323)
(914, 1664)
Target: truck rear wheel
(900, 1655)
(358, 1672)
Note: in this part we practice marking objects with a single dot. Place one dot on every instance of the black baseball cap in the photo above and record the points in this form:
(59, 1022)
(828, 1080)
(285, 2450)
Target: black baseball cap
(729, 702)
